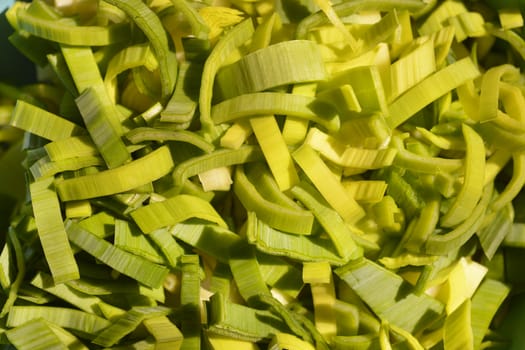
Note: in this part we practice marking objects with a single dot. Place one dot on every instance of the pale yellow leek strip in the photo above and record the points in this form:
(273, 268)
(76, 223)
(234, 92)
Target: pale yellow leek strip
(295, 129)
(51, 231)
(78, 209)
(34, 334)
(174, 210)
(319, 276)
(40, 122)
(472, 188)
(327, 8)
(218, 179)
(139, 172)
(327, 184)
(489, 95)
(412, 68)
(468, 25)
(367, 191)
(236, 135)
(284, 341)
(441, 141)
(457, 333)
(219, 342)
(275, 151)
(430, 89)
(435, 20)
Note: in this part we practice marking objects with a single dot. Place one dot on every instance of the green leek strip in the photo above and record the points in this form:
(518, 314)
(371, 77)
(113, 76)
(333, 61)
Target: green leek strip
(331, 189)
(513, 38)
(457, 332)
(514, 238)
(468, 25)
(216, 159)
(350, 7)
(326, 7)
(167, 244)
(32, 47)
(213, 240)
(441, 141)
(85, 323)
(40, 122)
(66, 32)
(472, 188)
(44, 167)
(236, 37)
(298, 247)
(246, 273)
(97, 117)
(515, 184)
(166, 334)
(142, 270)
(385, 293)
(127, 324)
(75, 146)
(290, 62)
(262, 36)
(141, 134)
(34, 335)
(67, 338)
(369, 191)
(199, 27)
(80, 300)
(183, 103)
(490, 91)
(142, 171)
(355, 342)
(499, 226)
(259, 174)
(78, 209)
(238, 321)
(388, 215)
(190, 302)
(430, 89)
(236, 135)
(296, 221)
(319, 276)
(263, 103)
(412, 68)
(279, 274)
(151, 26)
(441, 14)
(346, 156)
(425, 225)
(444, 243)
(130, 57)
(342, 237)
(485, 303)
(101, 224)
(6, 265)
(128, 237)
(174, 210)
(424, 164)
(15, 286)
(53, 237)
(275, 151)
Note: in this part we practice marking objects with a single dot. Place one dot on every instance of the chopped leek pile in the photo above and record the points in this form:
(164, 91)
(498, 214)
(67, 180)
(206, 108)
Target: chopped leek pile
(264, 174)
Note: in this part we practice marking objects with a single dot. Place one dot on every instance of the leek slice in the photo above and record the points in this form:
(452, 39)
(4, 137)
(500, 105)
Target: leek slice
(489, 97)
(275, 151)
(236, 37)
(44, 167)
(128, 237)
(430, 89)
(331, 189)
(141, 171)
(151, 26)
(514, 185)
(387, 295)
(131, 265)
(127, 323)
(283, 341)
(473, 183)
(190, 302)
(51, 232)
(299, 247)
(264, 103)
(287, 219)
(85, 323)
(34, 335)
(75, 146)
(141, 134)
(174, 210)
(290, 62)
(458, 333)
(43, 123)
(67, 32)
(167, 335)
